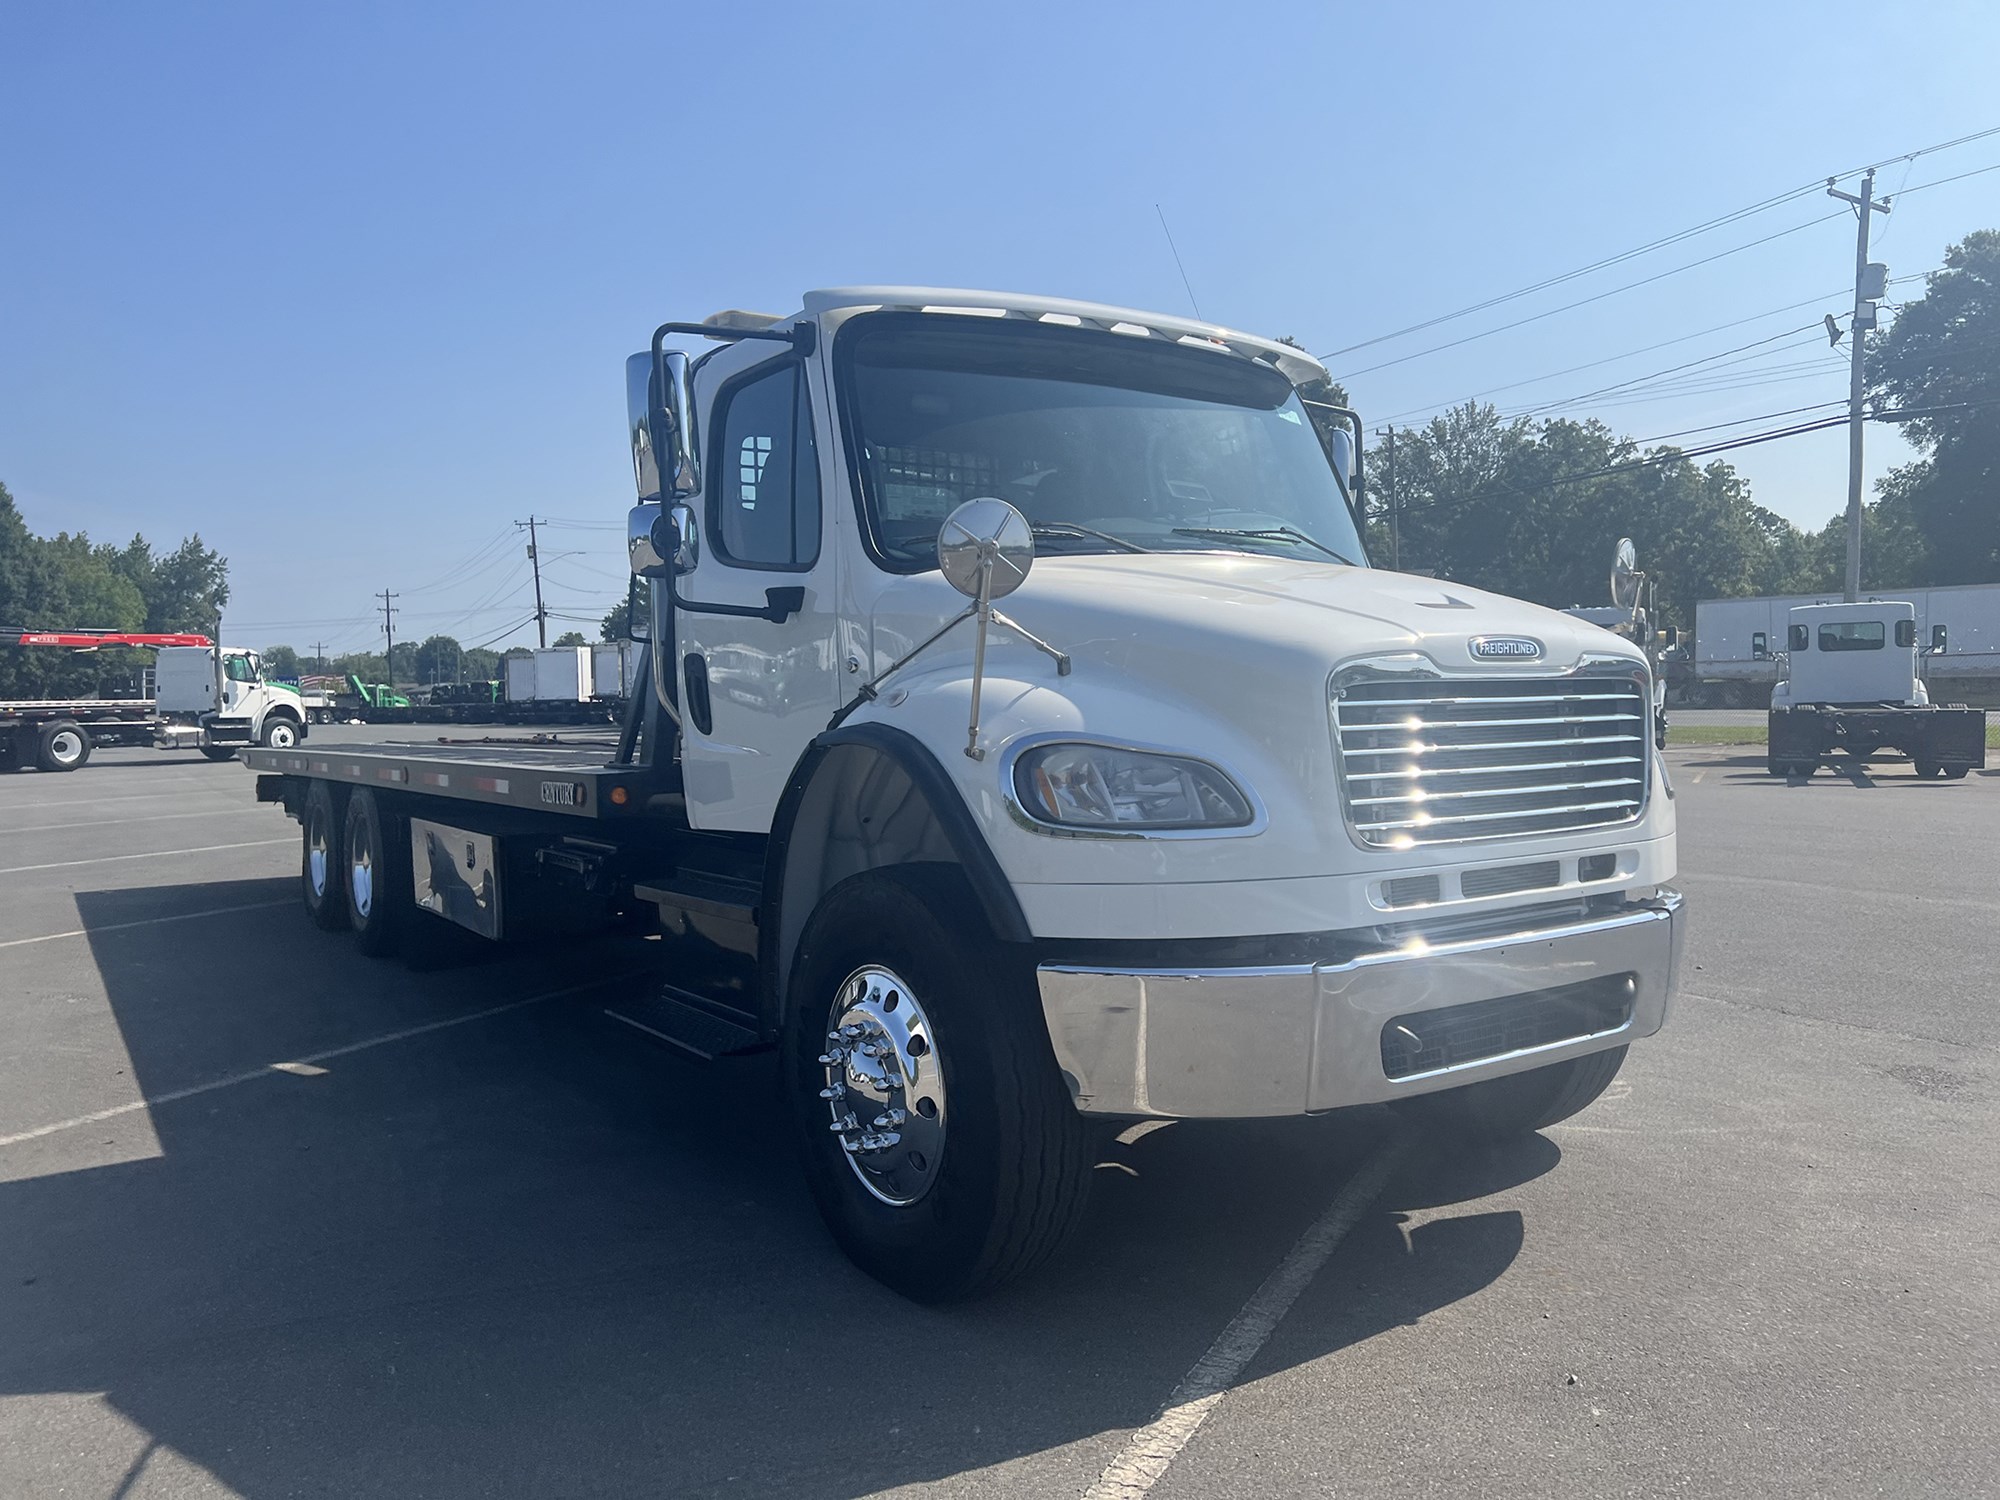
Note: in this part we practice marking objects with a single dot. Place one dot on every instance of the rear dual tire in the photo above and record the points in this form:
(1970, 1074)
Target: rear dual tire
(375, 859)
(322, 860)
(62, 746)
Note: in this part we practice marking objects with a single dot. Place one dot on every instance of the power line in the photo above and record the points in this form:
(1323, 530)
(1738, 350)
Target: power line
(1598, 297)
(1804, 190)
(1708, 359)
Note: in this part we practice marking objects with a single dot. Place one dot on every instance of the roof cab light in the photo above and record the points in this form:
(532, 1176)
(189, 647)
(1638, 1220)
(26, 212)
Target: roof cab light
(1103, 786)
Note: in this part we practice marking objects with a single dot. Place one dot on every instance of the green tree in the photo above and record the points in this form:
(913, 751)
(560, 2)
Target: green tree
(572, 638)
(617, 624)
(480, 665)
(1942, 359)
(281, 661)
(440, 659)
(403, 662)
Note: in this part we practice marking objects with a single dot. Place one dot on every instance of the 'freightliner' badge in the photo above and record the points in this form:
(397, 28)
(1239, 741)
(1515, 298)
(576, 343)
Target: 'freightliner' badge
(1505, 648)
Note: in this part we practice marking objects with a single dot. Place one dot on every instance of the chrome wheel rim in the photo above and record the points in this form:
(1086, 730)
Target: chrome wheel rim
(362, 877)
(884, 1086)
(282, 737)
(316, 861)
(66, 746)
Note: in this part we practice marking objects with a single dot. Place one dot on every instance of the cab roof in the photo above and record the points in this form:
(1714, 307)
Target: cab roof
(1297, 366)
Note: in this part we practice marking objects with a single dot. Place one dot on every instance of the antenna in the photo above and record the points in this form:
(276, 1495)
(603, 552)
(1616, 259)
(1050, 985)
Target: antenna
(1177, 261)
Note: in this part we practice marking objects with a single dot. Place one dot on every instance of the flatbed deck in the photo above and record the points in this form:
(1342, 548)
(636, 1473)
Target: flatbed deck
(571, 777)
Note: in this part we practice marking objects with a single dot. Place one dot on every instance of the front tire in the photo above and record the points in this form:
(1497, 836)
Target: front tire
(322, 860)
(1502, 1108)
(376, 858)
(938, 1138)
(281, 732)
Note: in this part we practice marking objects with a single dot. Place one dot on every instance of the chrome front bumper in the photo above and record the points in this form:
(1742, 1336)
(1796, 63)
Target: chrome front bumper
(1296, 1039)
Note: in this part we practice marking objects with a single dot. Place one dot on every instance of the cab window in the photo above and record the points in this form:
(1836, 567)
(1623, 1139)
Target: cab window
(239, 668)
(764, 512)
(1852, 635)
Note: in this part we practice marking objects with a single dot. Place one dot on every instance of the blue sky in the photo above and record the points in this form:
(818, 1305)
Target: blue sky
(348, 289)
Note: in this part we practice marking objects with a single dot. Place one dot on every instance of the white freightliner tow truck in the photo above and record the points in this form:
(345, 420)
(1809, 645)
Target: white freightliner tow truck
(1212, 820)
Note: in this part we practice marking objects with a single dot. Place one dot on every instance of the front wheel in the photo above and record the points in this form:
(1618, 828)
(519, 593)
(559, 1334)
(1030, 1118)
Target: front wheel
(939, 1140)
(280, 732)
(1521, 1103)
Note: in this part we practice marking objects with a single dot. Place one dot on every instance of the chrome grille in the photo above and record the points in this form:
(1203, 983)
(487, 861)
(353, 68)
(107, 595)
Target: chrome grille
(1428, 760)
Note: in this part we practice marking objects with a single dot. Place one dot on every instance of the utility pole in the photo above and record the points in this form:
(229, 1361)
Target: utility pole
(389, 632)
(1864, 319)
(534, 557)
(1395, 506)
(319, 656)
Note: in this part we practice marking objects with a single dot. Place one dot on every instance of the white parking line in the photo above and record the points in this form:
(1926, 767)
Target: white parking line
(107, 859)
(212, 812)
(134, 797)
(296, 1065)
(185, 916)
(1144, 1461)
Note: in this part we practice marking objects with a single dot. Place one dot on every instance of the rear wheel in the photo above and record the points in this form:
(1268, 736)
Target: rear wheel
(938, 1137)
(62, 746)
(1520, 1104)
(1955, 773)
(376, 859)
(321, 860)
(1928, 770)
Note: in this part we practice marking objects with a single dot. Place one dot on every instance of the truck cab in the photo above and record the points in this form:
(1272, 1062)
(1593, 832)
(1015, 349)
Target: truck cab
(1853, 683)
(222, 701)
(1852, 654)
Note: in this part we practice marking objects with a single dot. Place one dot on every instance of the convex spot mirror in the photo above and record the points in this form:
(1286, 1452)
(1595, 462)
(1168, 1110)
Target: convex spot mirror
(1628, 555)
(662, 540)
(985, 540)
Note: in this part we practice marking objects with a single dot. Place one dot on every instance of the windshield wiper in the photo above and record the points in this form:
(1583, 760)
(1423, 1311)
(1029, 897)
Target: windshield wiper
(1266, 534)
(1071, 529)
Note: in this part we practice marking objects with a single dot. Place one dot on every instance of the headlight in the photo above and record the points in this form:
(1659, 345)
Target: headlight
(1101, 786)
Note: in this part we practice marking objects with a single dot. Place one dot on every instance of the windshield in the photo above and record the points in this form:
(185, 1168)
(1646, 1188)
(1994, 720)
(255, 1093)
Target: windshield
(1107, 443)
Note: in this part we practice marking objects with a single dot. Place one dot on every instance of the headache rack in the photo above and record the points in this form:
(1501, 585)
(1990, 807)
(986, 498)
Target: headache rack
(1435, 760)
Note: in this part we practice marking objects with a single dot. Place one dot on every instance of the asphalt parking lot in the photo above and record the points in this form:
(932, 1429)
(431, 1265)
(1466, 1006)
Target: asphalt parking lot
(277, 1220)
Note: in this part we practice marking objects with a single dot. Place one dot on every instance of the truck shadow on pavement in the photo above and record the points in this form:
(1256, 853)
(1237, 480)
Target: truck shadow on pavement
(521, 1255)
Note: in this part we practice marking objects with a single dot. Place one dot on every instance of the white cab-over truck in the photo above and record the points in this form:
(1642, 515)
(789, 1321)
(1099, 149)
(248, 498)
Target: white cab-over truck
(217, 702)
(1852, 683)
(1212, 820)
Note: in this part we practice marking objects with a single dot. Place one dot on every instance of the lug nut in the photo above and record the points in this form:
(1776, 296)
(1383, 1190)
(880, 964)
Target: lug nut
(834, 1058)
(837, 1091)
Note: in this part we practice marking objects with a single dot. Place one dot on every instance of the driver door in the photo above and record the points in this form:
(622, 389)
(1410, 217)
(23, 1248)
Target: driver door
(753, 692)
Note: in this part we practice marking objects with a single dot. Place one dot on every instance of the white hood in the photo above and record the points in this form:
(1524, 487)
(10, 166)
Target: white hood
(1130, 607)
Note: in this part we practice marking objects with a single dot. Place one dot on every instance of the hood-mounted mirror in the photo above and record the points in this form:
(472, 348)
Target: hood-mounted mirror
(985, 550)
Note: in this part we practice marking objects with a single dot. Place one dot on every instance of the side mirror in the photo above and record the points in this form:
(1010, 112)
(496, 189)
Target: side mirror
(1938, 639)
(1340, 448)
(1760, 645)
(1906, 634)
(1670, 636)
(641, 549)
(660, 416)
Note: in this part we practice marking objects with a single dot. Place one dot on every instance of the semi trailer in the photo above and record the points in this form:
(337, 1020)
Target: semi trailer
(1213, 819)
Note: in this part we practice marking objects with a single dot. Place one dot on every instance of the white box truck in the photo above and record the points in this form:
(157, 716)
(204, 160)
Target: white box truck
(1213, 819)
